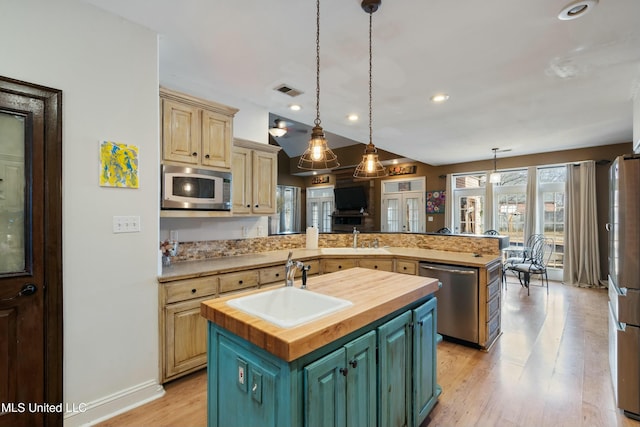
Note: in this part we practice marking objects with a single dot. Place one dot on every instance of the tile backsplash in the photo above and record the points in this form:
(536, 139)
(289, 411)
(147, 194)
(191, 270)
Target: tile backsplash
(191, 251)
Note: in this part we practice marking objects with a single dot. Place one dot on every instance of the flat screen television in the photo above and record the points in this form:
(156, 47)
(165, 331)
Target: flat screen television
(350, 198)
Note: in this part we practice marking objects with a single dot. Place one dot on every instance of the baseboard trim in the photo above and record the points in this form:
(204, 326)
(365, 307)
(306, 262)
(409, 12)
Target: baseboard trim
(114, 404)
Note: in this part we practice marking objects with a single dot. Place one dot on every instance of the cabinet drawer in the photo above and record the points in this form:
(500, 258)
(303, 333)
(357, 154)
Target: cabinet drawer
(493, 328)
(331, 265)
(493, 289)
(494, 273)
(407, 267)
(493, 306)
(314, 265)
(240, 280)
(377, 264)
(182, 290)
(272, 274)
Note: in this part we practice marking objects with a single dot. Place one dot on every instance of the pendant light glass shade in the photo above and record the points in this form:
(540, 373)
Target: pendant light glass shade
(318, 155)
(370, 166)
(495, 176)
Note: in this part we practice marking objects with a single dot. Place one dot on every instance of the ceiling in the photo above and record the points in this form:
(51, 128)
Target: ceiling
(518, 77)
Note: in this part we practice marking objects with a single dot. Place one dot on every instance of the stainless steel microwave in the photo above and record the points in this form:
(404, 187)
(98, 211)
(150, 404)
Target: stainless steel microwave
(198, 189)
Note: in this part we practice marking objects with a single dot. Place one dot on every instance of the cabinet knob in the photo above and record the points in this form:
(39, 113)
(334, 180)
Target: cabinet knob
(193, 291)
(256, 206)
(277, 274)
(206, 156)
(239, 282)
(339, 266)
(248, 206)
(344, 371)
(375, 267)
(404, 268)
(194, 154)
(353, 363)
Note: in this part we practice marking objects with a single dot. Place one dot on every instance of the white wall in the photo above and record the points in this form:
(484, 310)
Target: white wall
(107, 70)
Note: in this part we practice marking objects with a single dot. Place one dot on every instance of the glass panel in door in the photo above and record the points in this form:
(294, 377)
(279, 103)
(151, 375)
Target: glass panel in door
(471, 214)
(393, 215)
(553, 223)
(511, 208)
(12, 194)
(412, 207)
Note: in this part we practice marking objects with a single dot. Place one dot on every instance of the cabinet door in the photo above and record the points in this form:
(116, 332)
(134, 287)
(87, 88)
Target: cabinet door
(325, 400)
(241, 186)
(246, 386)
(265, 174)
(216, 139)
(361, 381)
(394, 367)
(425, 392)
(181, 132)
(185, 339)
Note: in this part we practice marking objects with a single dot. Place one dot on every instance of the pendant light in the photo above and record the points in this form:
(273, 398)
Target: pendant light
(318, 155)
(370, 166)
(495, 177)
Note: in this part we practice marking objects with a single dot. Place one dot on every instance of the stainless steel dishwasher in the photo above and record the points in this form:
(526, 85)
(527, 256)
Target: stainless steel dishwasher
(457, 300)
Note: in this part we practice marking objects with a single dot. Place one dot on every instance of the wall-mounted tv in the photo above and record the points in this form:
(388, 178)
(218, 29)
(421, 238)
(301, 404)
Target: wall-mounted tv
(350, 198)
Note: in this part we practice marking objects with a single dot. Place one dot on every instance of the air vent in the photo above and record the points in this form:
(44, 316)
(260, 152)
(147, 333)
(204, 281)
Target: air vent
(287, 90)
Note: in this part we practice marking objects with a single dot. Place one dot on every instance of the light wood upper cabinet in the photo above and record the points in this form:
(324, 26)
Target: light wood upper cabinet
(195, 131)
(255, 171)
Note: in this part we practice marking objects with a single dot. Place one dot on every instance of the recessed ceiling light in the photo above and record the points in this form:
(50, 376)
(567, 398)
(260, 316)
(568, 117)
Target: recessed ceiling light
(353, 117)
(439, 97)
(576, 9)
(295, 107)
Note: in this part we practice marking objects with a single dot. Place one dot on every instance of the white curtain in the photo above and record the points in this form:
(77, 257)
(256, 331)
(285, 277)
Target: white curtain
(581, 255)
(531, 206)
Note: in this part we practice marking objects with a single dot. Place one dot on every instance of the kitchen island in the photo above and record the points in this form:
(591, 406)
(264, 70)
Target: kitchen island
(372, 363)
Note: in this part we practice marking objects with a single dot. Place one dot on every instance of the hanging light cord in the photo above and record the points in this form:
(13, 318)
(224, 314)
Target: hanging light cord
(317, 120)
(370, 79)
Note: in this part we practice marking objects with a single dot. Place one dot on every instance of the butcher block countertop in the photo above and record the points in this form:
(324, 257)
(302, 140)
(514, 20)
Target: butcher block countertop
(374, 295)
(193, 269)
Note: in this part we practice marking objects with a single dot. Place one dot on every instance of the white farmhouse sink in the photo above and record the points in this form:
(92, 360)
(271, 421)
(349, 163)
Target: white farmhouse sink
(357, 251)
(289, 306)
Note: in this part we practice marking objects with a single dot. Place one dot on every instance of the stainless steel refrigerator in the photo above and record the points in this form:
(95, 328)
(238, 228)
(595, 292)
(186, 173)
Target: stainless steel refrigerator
(624, 282)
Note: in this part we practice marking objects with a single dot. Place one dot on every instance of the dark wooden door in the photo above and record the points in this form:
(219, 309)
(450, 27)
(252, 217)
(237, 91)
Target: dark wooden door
(30, 255)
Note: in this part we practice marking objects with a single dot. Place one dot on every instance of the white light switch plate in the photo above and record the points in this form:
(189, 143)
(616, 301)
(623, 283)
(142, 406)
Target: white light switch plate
(126, 224)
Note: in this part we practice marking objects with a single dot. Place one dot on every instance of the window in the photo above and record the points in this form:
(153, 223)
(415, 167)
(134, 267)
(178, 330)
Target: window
(551, 192)
(510, 196)
(510, 205)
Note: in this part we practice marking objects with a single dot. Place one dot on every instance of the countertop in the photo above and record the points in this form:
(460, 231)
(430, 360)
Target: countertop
(374, 295)
(193, 269)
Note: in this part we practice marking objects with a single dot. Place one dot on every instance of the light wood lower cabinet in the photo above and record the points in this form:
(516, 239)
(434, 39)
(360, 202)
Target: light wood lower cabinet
(185, 338)
(490, 300)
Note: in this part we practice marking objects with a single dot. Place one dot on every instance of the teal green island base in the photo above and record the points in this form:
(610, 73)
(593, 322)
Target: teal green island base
(383, 374)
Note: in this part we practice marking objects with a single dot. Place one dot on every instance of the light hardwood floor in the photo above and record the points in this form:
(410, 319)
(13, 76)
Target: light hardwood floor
(549, 368)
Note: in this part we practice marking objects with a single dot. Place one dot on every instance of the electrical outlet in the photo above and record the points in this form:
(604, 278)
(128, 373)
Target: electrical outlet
(126, 224)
